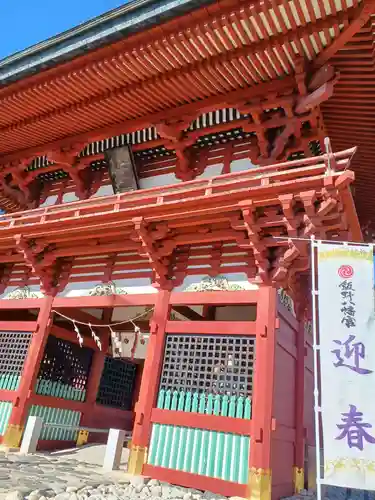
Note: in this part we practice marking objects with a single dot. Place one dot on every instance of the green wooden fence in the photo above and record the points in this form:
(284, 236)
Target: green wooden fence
(57, 416)
(5, 411)
(59, 390)
(9, 381)
(198, 451)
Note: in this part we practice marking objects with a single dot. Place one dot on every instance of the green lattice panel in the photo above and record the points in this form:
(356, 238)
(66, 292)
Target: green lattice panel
(9, 381)
(5, 411)
(59, 390)
(57, 416)
(198, 451)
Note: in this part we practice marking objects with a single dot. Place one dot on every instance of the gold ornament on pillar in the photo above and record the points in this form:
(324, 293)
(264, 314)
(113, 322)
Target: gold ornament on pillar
(298, 479)
(13, 436)
(260, 482)
(137, 459)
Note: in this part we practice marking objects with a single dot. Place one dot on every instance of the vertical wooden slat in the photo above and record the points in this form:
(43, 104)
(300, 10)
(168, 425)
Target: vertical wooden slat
(56, 416)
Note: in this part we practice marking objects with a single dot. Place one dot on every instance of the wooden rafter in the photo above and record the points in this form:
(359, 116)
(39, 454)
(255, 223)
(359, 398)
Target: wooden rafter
(364, 11)
(206, 58)
(291, 113)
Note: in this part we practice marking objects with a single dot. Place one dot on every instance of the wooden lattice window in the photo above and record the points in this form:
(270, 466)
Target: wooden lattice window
(66, 363)
(117, 384)
(13, 351)
(210, 364)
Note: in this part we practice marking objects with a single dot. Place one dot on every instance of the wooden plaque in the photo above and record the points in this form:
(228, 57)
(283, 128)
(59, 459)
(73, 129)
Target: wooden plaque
(122, 169)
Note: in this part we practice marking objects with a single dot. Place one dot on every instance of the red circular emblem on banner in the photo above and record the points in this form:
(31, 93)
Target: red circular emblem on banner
(346, 272)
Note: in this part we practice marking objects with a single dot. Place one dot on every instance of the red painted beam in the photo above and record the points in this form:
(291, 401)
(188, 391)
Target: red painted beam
(196, 481)
(71, 336)
(83, 316)
(212, 328)
(21, 303)
(214, 298)
(19, 326)
(8, 395)
(146, 299)
(201, 421)
(52, 402)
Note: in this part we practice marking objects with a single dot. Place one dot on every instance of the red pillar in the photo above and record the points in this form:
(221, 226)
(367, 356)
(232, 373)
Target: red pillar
(92, 388)
(13, 435)
(149, 384)
(95, 375)
(260, 476)
(93, 381)
(299, 461)
(137, 383)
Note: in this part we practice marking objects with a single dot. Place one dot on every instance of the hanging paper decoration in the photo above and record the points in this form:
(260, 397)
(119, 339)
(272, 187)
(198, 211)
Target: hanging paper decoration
(137, 332)
(124, 344)
(96, 338)
(79, 336)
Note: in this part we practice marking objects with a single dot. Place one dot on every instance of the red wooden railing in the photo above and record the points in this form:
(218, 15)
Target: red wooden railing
(305, 174)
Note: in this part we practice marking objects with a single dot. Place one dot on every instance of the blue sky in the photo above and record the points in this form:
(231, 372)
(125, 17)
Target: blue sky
(26, 22)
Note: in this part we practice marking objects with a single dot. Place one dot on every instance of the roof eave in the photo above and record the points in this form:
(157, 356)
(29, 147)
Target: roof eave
(126, 20)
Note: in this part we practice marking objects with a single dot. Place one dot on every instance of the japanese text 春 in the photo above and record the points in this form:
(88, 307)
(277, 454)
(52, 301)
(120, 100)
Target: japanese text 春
(354, 430)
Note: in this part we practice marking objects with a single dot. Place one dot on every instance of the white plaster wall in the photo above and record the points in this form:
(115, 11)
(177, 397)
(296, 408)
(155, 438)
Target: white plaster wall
(139, 285)
(69, 197)
(35, 289)
(130, 286)
(241, 165)
(50, 200)
(141, 349)
(211, 171)
(135, 286)
(158, 181)
(103, 191)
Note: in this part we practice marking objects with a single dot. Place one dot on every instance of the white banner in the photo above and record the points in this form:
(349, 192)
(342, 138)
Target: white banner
(347, 360)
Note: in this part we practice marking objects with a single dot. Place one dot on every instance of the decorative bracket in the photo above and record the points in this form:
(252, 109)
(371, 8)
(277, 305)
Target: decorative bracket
(178, 139)
(5, 275)
(71, 164)
(249, 226)
(53, 272)
(148, 238)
